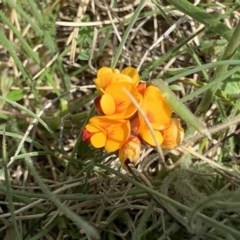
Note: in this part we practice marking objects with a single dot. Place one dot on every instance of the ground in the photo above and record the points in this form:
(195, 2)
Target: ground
(56, 186)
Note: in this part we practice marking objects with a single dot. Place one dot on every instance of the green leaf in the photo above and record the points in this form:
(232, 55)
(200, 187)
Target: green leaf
(84, 55)
(3, 117)
(232, 86)
(176, 87)
(15, 95)
(231, 90)
(2, 175)
(6, 83)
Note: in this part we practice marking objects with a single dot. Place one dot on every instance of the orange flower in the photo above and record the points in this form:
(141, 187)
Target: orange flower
(130, 150)
(116, 103)
(106, 76)
(108, 133)
(158, 113)
(121, 127)
(173, 135)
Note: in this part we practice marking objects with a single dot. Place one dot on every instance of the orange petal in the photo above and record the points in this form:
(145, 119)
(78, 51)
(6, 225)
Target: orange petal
(107, 104)
(121, 78)
(141, 87)
(107, 132)
(97, 105)
(105, 76)
(173, 135)
(86, 135)
(156, 108)
(91, 128)
(98, 140)
(103, 81)
(94, 123)
(120, 93)
(117, 135)
(134, 125)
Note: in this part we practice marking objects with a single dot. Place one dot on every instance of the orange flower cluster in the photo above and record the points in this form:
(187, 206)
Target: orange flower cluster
(120, 126)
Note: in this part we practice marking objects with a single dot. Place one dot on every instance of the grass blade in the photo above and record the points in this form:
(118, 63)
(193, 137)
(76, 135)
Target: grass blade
(127, 32)
(203, 17)
(179, 108)
(9, 194)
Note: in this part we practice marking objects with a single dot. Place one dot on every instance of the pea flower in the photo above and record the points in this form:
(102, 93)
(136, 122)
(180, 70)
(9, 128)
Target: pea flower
(106, 76)
(173, 135)
(108, 133)
(158, 113)
(130, 150)
(116, 103)
(120, 126)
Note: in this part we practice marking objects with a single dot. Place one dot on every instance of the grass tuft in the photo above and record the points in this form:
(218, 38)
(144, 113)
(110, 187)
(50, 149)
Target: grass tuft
(54, 185)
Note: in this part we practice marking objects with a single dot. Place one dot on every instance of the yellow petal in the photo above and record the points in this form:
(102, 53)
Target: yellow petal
(104, 70)
(107, 104)
(117, 135)
(105, 77)
(122, 78)
(133, 73)
(98, 140)
(146, 135)
(103, 81)
(130, 150)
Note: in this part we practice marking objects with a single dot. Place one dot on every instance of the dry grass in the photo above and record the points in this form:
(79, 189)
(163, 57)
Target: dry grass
(53, 185)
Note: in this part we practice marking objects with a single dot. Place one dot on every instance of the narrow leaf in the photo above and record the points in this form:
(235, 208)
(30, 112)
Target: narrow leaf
(179, 108)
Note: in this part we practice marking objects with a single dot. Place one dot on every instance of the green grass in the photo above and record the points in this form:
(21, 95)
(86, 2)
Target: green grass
(55, 186)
